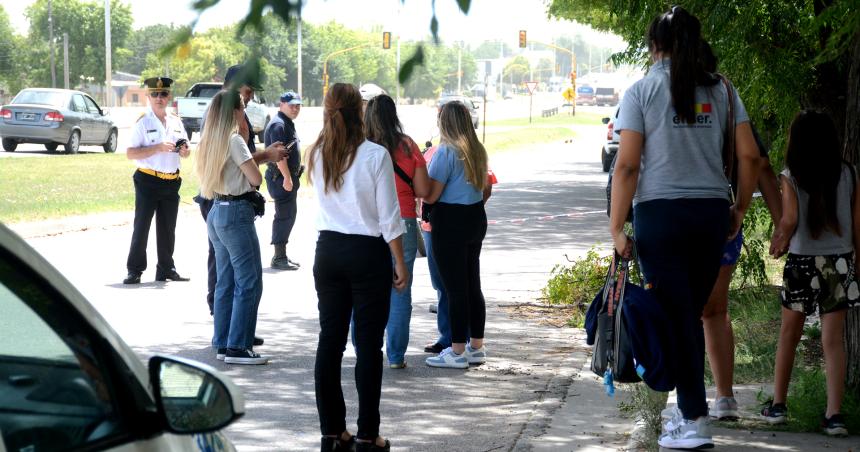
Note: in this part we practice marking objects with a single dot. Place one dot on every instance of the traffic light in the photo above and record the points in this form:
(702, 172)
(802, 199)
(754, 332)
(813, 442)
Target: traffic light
(573, 78)
(522, 39)
(386, 39)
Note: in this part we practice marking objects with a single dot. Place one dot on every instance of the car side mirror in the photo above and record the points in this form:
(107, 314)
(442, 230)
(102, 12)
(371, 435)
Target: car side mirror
(192, 397)
(605, 120)
(105, 112)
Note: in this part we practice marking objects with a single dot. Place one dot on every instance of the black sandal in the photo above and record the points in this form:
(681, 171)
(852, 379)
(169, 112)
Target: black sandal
(337, 444)
(361, 446)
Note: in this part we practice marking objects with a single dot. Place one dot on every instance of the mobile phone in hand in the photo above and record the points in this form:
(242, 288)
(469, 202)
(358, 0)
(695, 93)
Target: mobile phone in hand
(179, 143)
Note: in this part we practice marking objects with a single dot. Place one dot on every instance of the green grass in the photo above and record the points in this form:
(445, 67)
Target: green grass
(563, 118)
(524, 138)
(61, 185)
(38, 188)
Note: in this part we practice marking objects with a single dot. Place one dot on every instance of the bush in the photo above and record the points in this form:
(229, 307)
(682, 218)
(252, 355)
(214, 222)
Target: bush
(577, 284)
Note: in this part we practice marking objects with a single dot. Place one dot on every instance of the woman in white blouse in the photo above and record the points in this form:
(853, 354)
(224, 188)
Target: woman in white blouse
(360, 232)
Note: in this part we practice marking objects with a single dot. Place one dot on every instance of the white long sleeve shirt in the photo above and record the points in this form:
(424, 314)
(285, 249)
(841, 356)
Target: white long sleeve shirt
(366, 203)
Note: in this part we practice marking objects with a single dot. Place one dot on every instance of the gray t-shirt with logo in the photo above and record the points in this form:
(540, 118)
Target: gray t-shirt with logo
(679, 159)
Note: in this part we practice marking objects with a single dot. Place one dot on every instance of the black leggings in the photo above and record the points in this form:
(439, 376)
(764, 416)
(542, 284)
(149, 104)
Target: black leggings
(458, 232)
(680, 242)
(352, 275)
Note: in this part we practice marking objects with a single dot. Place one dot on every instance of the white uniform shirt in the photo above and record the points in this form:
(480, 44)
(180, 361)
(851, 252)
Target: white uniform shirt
(149, 130)
(366, 203)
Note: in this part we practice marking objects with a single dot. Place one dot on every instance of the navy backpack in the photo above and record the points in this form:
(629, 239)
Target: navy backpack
(630, 333)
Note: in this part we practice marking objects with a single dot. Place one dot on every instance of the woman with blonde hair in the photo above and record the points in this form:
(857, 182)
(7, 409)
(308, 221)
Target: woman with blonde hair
(360, 233)
(458, 176)
(229, 176)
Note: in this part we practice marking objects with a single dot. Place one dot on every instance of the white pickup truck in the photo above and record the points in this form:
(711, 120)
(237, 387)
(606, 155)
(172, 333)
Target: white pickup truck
(193, 106)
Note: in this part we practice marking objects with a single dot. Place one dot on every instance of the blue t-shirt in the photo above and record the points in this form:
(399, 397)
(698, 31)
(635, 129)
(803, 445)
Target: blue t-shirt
(447, 168)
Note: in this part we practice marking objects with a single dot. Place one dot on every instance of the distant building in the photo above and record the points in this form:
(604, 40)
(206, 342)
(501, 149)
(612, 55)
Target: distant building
(127, 90)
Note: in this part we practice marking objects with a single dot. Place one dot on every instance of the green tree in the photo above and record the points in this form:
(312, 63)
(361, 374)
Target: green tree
(783, 55)
(145, 41)
(84, 21)
(490, 50)
(517, 70)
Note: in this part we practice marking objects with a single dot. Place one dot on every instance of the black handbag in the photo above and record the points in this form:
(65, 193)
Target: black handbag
(613, 351)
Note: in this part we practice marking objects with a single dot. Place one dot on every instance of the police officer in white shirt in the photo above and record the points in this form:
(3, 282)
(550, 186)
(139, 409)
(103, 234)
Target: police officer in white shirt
(157, 143)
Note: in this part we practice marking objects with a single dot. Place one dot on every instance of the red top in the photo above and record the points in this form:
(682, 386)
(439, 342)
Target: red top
(408, 163)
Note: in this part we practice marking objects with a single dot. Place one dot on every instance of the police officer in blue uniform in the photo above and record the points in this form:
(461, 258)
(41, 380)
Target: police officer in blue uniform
(157, 143)
(282, 178)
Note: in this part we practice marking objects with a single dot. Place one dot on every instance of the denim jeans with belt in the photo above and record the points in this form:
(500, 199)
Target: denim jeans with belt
(680, 242)
(240, 273)
(401, 301)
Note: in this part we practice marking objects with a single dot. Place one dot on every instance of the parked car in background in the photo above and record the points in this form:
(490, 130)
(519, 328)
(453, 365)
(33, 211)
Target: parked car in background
(610, 147)
(472, 106)
(606, 96)
(70, 383)
(584, 95)
(53, 117)
(195, 103)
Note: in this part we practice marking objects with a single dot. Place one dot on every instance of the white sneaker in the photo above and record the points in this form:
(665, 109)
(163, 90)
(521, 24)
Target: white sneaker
(725, 408)
(476, 355)
(688, 435)
(448, 359)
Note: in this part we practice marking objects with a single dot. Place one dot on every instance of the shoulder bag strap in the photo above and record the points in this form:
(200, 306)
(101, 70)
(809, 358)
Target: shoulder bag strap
(399, 171)
(729, 140)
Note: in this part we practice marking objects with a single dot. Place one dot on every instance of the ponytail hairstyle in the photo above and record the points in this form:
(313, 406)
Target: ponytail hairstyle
(340, 136)
(214, 148)
(815, 162)
(679, 34)
(381, 124)
(457, 131)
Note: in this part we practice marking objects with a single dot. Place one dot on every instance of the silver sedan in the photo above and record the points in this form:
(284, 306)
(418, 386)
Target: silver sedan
(56, 116)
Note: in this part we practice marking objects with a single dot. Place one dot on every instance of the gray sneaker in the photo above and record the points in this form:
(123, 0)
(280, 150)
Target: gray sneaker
(672, 418)
(688, 435)
(283, 263)
(725, 409)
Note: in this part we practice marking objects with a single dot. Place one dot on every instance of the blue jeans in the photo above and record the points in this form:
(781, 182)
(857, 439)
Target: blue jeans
(401, 302)
(240, 273)
(442, 322)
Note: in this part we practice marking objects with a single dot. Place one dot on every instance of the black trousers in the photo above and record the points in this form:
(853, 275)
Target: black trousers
(458, 233)
(352, 274)
(211, 270)
(285, 205)
(159, 197)
(680, 242)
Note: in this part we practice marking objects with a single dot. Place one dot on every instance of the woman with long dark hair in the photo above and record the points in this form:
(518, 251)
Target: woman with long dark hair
(383, 128)
(458, 174)
(672, 125)
(360, 233)
(819, 230)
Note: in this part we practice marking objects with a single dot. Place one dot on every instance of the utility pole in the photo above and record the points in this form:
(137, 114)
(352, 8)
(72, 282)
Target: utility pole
(460, 68)
(299, 51)
(107, 55)
(66, 60)
(51, 42)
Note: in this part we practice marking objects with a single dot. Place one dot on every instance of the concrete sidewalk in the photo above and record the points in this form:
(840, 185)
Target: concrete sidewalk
(589, 420)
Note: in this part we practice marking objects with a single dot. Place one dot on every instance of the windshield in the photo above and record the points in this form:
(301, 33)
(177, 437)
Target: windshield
(52, 98)
(585, 90)
(609, 91)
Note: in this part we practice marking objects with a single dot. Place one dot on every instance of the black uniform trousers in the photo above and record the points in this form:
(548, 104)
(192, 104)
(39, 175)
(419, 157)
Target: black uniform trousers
(211, 270)
(285, 204)
(159, 197)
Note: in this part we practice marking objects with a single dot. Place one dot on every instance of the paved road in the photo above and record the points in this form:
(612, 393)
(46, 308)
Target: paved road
(498, 406)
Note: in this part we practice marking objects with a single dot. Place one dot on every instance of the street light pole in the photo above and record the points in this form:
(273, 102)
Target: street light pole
(299, 51)
(51, 41)
(107, 55)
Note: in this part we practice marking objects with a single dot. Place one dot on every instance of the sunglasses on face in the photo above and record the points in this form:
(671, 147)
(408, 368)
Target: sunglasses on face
(163, 94)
